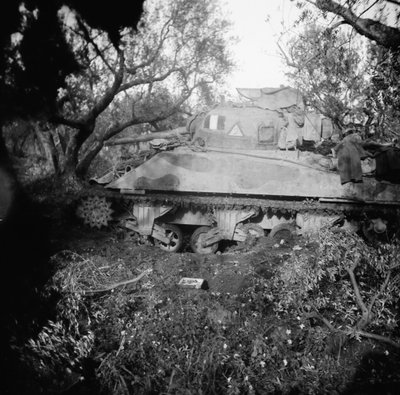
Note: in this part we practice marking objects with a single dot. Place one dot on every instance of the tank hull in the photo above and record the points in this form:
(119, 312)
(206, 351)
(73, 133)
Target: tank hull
(280, 174)
(243, 174)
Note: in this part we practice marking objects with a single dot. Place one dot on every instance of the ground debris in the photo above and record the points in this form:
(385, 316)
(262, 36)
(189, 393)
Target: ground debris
(196, 283)
(92, 275)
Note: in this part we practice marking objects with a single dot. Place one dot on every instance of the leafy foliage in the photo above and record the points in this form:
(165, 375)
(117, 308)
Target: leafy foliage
(36, 58)
(61, 345)
(267, 339)
(355, 285)
(383, 93)
(347, 63)
(328, 71)
(151, 77)
(183, 345)
(382, 27)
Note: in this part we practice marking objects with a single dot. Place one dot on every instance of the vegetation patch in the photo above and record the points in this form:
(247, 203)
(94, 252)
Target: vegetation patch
(315, 321)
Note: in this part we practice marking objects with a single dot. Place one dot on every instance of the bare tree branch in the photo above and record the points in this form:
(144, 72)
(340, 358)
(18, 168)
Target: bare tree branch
(394, 2)
(384, 35)
(108, 96)
(119, 284)
(87, 36)
(150, 59)
(368, 8)
(148, 80)
(119, 127)
(359, 299)
(362, 333)
(381, 338)
(86, 122)
(369, 335)
(336, 25)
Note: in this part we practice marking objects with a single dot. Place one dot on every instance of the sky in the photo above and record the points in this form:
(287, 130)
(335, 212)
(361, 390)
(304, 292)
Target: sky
(258, 24)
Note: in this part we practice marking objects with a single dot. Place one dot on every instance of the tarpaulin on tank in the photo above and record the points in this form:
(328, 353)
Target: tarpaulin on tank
(317, 126)
(273, 98)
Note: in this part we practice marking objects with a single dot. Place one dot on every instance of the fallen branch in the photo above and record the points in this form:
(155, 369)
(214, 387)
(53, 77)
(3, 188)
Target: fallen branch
(368, 335)
(365, 319)
(119, 284)
(381, 338)
(315, 314)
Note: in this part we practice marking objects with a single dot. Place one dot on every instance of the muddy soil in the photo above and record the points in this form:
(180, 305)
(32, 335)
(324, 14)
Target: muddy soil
(230, 270)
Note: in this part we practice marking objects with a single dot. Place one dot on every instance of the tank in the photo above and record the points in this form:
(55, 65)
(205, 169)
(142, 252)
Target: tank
(243, 174)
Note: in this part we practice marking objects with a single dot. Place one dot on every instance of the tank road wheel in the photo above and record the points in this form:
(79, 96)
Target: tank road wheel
(253, 230)
(375, 230)
(197, 239)
(282, 232)
(95, 211)
(176, 238)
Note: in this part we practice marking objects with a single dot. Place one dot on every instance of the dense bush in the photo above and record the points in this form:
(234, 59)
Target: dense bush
(297, 328)
(350, 286)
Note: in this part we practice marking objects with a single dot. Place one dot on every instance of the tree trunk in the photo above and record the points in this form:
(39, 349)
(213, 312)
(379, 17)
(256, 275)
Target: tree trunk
(89, 155)
(8, 181)
(49, 149)
(99, 143)
(69, 179)
(4, 156)
(74, 145)
(71, 155)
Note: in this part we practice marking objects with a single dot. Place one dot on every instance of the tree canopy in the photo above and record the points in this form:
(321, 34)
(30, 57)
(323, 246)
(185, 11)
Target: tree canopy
(179, 49)
(107, 78)
(327, 71)
(346, 60)
(35, 56)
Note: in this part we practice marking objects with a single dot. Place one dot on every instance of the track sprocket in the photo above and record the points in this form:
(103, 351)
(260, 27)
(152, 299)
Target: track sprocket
(95, 211)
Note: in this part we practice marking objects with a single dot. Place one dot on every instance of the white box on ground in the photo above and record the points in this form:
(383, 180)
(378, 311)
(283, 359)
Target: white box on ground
(196, 283)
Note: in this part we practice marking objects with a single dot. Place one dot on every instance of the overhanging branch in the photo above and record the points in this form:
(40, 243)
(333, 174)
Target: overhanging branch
(384, 35)
(89, 39)
(148, 80)
(119, 127)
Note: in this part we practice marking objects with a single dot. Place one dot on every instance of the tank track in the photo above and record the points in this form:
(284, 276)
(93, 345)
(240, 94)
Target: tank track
(285, 207)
